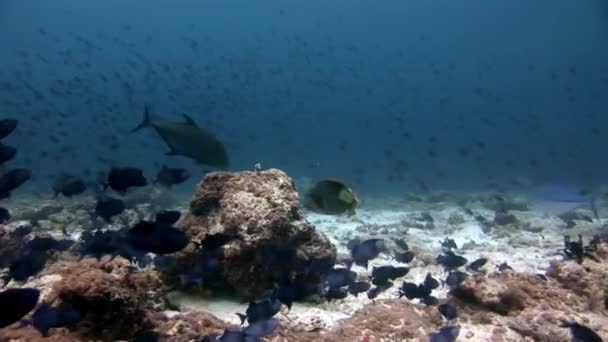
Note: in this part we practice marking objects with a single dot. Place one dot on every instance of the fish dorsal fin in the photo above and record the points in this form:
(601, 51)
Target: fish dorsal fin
(189, 120)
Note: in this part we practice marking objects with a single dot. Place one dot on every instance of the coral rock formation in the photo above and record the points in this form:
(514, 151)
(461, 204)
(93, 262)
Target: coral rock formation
(257, 211)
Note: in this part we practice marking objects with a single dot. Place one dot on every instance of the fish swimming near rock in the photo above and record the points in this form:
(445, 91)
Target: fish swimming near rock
(168, 176)
(331, 197)
(188, 140)
(69, 185)
(7, 153)
(5, 215)
(7, 126)
(120, 179)
(11, 180)
(16, 303)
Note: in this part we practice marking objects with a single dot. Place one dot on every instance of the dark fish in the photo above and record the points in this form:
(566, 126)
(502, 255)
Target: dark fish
(430, 282)
(504, 266)
(367, 250)
(331, 197)
(5, 215)
(430, 300)
(7, 126)
(100, 243)
(168, 217)
(11, 180)
(404, 257)
(335, 293)
(156, 238)
(358, 287)
(477, 264)
(448, 311)
(446, 334)
(449, 244)
(7, 153)
(451, 260)
(188, 140)
(121, 179)
(381, 275)
(374, 292)
(411, 291)
(171, 176)
(454, 278)
(16, 303)
(215, 241)
(47, 317)
(27, 265)
(108, 207)
(260, 311)
(260, 329)
(338, 277)
(288, 292)
(69, 186)
(402, 244)
(581, 333)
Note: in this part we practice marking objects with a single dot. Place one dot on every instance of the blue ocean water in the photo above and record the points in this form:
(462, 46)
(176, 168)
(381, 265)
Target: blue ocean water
(388, 95)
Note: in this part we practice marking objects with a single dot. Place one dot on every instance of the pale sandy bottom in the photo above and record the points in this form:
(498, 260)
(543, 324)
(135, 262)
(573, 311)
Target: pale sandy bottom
(525, 251)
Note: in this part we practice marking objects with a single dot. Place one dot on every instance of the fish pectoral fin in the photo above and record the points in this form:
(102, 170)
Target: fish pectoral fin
(189, 120)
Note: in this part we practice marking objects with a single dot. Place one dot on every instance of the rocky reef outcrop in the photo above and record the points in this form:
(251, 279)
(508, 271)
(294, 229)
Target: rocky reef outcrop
(259, 215)
(536, 305)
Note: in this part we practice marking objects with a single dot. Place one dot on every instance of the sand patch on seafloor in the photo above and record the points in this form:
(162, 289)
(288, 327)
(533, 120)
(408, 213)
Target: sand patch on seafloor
(523, 250)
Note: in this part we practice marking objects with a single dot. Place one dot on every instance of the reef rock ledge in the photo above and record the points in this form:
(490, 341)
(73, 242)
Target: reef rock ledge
(268, 239)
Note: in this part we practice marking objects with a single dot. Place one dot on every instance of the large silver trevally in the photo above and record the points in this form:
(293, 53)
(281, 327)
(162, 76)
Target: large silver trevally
(188, 140)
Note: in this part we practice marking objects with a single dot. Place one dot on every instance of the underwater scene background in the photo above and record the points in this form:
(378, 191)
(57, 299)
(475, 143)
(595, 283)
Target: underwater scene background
(287, 171)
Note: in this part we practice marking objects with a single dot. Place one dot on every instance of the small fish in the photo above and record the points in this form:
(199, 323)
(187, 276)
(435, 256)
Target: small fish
(7, 126)
(448, 311)
(449, 244)
(358, 287)
(47, 317)
(5, 215)
(214, 241)
(430, 300)
(338, 277)
(367, 250)
(581, 333)
(157, 238)
(381, 275)
(504, 266)
(168, 217)
(451, 260)
(16, 304)
(260, 311)
(404, 257)
(331, 197)
(169, 177)
(477, 264)
(402, 244)
(454, 278)
(430, 282)
(446, 334)
(7, 153)
(374, 292)
(11, 180)
(412, 291)
(121, 179)
(260, 329)
(27, 265)
(108, 207)
(335, 293)
(69, 186)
